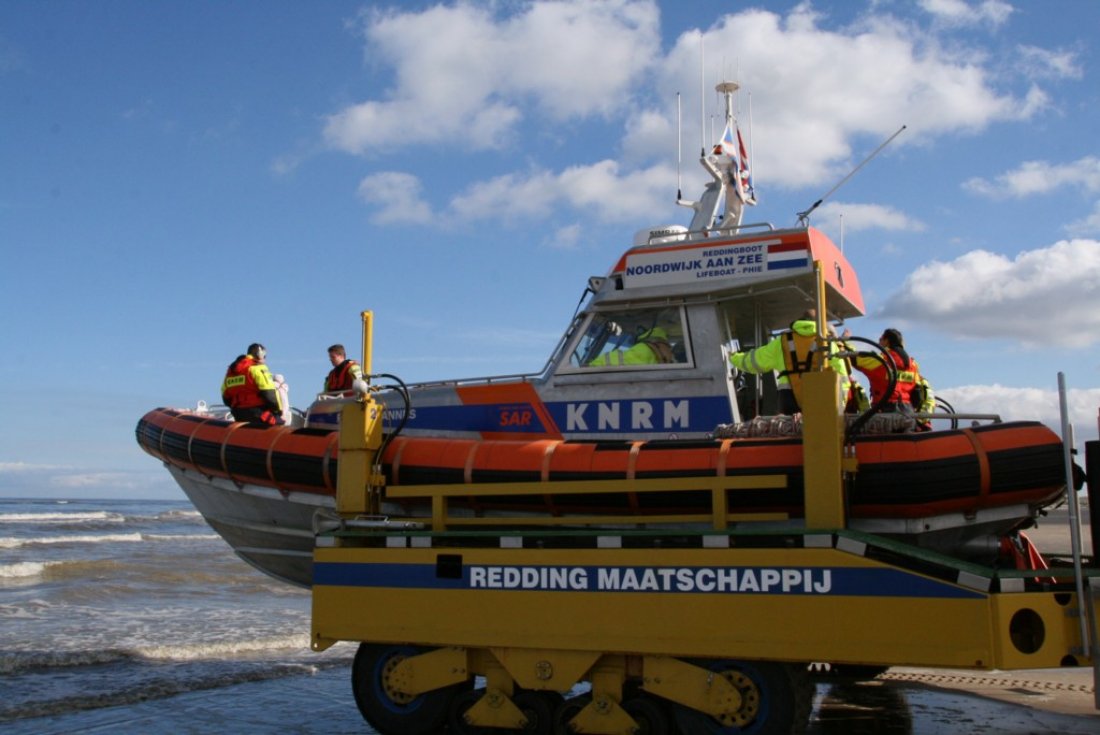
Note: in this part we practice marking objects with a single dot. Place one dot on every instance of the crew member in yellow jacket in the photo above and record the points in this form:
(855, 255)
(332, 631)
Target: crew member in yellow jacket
(791, 353)
(650, 348)
(249, 390)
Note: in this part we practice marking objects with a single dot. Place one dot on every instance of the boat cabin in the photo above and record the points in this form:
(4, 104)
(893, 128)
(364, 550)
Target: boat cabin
(648, 355)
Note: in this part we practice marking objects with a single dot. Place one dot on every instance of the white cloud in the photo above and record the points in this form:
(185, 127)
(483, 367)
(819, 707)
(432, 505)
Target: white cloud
(987, 295)
(859, 217)
(1017, 404)
(1040, 177)
(962, 13)
(565, 238)
(805, 133)
(512, 195)
(21, 467)
(469, 76)
(1090, 225)
(491, 78)
(85, 480)
(397, 196)
(25, 479)
(581, 187)
(1041, 63)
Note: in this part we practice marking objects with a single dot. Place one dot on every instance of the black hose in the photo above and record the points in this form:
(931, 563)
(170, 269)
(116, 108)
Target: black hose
(891, 382)
(947, 408)
(403, 391)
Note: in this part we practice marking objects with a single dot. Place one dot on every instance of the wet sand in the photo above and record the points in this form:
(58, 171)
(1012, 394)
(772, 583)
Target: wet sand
(903, 701)
(322, 704)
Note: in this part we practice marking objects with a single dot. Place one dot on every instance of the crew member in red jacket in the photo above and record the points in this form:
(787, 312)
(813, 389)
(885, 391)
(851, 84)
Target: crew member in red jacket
(912, 391)
(249, 390)
(344, 371)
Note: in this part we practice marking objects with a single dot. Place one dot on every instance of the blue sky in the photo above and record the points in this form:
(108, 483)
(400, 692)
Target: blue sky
(178, 180)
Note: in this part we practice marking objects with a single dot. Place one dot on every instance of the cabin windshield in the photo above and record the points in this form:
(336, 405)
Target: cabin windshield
(632, 339)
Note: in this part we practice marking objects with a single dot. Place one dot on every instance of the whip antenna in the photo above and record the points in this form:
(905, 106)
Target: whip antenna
(804, 217)
(679, 146)
(702, 100)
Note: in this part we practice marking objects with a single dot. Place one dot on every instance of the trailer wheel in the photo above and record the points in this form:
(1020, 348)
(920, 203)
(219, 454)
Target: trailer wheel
(539, 711)
(386, 708)
(569, 709)
(649, 714)
(776, 700)
(456, 715)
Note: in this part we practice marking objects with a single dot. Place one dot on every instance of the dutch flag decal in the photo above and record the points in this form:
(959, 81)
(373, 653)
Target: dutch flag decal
(787, 255)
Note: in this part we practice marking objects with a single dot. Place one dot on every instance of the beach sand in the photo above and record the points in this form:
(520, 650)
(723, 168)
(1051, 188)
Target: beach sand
(322, 703)
(903, 701)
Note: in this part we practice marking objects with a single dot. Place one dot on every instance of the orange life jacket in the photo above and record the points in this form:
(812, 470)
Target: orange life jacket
(908, 374)
(339, 378)
(239, 390)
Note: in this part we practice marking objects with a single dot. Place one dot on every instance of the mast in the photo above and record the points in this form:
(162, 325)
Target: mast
(729, 170)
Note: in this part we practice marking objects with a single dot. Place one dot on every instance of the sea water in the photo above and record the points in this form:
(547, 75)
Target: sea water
(106, 603)
(135, 617)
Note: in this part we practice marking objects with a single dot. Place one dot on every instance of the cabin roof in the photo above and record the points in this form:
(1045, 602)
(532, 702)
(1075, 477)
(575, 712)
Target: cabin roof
(774, 268)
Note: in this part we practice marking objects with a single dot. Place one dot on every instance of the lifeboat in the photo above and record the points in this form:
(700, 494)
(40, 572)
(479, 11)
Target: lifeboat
(901, 476)
(941, 489)
(648, 427)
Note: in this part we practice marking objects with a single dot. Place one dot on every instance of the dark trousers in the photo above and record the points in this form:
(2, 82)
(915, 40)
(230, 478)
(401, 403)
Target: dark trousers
(256, 415)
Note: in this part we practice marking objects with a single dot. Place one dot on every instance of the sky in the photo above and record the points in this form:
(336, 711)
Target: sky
(178, 180)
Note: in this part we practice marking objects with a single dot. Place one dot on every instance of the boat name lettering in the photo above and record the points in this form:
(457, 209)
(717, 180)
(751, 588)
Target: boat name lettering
(746, 250)
(747, 260)
(654, 579)
(609, 416)
(734, 271)
(650, 268)
(515, 417)
(395, 414)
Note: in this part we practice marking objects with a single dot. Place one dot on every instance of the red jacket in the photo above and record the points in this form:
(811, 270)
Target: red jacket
(342, 376)
(248, 384)
(908, 375)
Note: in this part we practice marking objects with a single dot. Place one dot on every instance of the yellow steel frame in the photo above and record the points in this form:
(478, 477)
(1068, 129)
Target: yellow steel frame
(985, 630)
(368, 588)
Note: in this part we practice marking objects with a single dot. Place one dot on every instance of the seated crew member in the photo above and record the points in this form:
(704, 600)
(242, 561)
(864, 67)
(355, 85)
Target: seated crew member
(912, 392)
(791, 353)
(344, 371)
(249, 390)
(650, 348)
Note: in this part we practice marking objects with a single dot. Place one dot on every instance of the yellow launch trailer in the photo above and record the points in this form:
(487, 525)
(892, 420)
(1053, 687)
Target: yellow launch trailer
(708, 629)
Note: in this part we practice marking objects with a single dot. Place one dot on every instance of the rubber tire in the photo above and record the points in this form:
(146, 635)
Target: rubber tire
(539, 710)
(422, 715)
(786, 698)
(567, 711)
(462, 702)
(649, 713)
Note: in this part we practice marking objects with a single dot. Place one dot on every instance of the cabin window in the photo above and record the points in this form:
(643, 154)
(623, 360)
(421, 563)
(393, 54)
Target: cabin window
(634, 339)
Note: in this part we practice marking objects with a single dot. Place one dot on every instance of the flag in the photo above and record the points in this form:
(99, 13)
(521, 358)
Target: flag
(733, 146)
(727, 145)
(745, 188)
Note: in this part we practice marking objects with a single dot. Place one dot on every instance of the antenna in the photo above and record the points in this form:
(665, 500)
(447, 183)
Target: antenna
(752, 142)
(679, 156)
(804, 217)
(702, 100)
